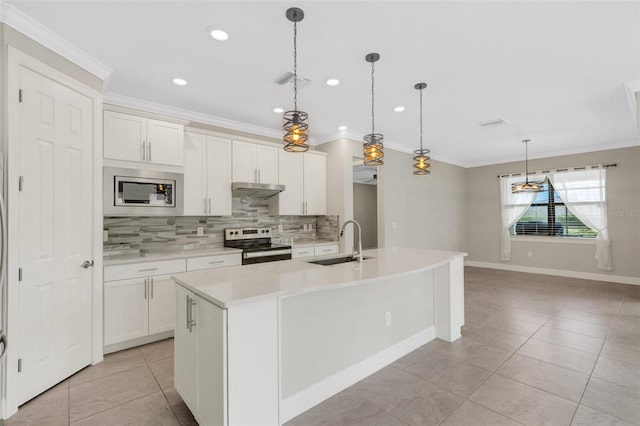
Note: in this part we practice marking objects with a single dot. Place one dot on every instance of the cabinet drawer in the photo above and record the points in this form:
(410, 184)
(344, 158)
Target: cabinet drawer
(217, 261)
(146, 269)
(297, 253)
(324, 250)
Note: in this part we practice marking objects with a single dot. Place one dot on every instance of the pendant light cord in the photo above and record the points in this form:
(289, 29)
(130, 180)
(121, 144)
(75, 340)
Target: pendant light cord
(420, 121)
(373, 119)
(295, 66)
(526, 161)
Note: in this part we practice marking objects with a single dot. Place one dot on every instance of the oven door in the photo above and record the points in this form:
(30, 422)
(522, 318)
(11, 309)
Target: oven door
(265, 256)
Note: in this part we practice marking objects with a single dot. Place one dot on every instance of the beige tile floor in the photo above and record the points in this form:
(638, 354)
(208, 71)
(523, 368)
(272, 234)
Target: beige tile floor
(535, 350)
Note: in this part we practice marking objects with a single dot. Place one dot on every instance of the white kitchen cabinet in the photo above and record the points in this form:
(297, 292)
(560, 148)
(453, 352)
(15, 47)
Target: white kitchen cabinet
(311, 251)
(300, 252)
(139, 302)
(254, 162)
(305, 179)
(214, 261)
(229, 385)
(133, 138)
(207, 175)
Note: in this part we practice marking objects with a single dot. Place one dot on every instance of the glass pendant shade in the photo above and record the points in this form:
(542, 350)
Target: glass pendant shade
(421, 158)
(527, 186)
(296, 124)
(373, 143)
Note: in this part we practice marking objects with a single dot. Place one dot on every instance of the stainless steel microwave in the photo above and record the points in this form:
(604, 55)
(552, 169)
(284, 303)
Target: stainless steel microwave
(133, 192)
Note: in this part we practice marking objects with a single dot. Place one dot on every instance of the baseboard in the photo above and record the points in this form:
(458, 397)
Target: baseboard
(315, 394)
(137, 342)
(558, 272)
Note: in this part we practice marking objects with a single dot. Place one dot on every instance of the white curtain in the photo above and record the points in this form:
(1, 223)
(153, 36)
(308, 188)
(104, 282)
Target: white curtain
(512, 207)
(584, 194)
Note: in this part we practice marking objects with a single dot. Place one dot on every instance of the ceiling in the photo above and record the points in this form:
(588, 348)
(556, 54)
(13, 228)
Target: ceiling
(555, 70)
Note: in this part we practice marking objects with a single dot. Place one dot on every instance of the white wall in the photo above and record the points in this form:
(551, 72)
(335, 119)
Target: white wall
(623, 203)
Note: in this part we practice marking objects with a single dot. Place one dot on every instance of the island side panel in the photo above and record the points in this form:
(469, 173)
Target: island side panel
(332, 339)
(253, 372)
(449, 299)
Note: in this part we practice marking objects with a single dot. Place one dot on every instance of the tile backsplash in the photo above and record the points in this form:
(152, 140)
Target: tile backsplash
(132, 235)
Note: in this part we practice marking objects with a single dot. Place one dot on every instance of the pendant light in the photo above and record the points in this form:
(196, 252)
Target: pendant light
(527, 186)
(373, 148)
(295, 122)
(421, 157)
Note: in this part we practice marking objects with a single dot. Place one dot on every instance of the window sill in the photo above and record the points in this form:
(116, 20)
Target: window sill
(561, 240)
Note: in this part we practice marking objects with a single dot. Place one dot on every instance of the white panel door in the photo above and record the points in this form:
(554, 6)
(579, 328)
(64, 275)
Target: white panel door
(290, 175)
(244, 162)
(165, 143)
(219, 176)
(124, 136)
(315, 184)
(195, 172)
(267, 164)
(162, 304)
(55, 232)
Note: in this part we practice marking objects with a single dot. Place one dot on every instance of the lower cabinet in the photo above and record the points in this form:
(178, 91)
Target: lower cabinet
(319, 250)
(226, 360)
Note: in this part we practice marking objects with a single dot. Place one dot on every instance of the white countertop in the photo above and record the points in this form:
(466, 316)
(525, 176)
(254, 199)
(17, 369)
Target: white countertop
(234, 285)
(155, 257)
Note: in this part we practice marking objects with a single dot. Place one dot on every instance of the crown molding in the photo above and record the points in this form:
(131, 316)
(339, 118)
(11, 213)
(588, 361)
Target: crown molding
(142, 105)
(20, 21)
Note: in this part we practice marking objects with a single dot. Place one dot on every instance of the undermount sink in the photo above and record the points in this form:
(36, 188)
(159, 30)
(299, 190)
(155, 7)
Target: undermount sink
(337, 260)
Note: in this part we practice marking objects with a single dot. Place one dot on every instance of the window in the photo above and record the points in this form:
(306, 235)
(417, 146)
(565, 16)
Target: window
(549, 216)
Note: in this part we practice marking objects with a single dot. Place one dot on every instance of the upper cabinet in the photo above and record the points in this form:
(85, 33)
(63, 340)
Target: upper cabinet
(207, 175)
(133, 138)
(255, 163)
(305, 179)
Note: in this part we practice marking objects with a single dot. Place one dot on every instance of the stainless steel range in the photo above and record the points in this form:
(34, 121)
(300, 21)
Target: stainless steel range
(256, 245)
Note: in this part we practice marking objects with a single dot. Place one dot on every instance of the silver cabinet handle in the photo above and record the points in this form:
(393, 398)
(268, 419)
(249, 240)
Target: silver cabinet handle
(146, 282)
(3, 342)
(209, 205)
(216, 262)
(87, 264)
(151, 285)
(144, 151)
(192, 322)
(259, 177)
(187, 311)
(255, 175)
(149, 148)
(146, 270)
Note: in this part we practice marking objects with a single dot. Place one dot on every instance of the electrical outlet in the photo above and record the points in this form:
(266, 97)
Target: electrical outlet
(387, 318)
(105, 235)
(280, 229)
(311, 227)
(529, 253)
(200, 231)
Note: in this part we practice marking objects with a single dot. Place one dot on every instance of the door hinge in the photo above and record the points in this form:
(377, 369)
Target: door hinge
(20, 183)
(19, 274)
(20, 95)
(19, 365)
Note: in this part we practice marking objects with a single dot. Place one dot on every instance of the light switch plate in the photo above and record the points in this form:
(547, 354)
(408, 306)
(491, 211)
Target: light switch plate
(200, 231)
(105, 235)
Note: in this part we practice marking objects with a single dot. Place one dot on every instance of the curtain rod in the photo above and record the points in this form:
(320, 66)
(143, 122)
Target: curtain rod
(560, 170)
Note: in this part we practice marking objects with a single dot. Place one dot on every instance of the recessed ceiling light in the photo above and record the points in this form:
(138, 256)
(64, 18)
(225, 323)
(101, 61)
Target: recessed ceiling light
(219, 35)
(278, 110)
(333, 82)
(399, 108)
(179, 82)
(342, 127)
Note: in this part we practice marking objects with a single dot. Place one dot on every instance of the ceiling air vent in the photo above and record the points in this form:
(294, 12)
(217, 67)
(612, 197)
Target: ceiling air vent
(287, 78)
(496, 122)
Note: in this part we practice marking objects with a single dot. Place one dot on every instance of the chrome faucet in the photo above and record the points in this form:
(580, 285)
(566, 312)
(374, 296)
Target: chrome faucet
(356, 253)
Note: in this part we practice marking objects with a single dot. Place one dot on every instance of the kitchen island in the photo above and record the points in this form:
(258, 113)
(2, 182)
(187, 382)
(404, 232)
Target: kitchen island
(260, 344)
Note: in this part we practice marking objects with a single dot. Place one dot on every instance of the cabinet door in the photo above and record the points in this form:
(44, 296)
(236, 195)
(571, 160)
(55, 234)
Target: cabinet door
(195, 174)
(212, 350)
(186, 358)
(165, 143)
(162, 304)
(290, 175)
(218, 160)
(244, 162)
(125, 310)
(267, 164)
(315, 184)
(123, 136)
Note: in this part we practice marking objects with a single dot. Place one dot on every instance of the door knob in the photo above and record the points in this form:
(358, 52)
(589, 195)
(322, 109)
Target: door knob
(86, 264)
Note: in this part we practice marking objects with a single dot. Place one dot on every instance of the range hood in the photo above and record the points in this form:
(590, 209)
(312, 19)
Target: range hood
(251, 189)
